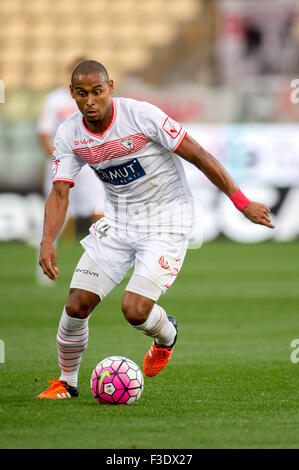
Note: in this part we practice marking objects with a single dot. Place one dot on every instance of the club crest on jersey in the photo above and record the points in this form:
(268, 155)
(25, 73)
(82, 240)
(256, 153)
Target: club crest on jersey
(171, 128)
(127, 144)
(163, 262)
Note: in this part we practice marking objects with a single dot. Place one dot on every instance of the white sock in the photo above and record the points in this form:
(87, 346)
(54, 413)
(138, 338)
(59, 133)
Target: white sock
(158, 326)
(72, 340)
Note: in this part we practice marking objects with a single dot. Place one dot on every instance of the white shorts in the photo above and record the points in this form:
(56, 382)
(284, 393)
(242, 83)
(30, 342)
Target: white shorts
(88, 276)
(157, 259)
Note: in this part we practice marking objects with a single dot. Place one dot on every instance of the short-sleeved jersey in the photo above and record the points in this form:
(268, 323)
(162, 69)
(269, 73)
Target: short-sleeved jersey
(144, 180)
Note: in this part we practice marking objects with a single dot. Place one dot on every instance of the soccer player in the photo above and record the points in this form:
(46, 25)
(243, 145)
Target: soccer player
(135, 149)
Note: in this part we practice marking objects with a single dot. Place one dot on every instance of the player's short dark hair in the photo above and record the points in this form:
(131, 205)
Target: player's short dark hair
(89, 66)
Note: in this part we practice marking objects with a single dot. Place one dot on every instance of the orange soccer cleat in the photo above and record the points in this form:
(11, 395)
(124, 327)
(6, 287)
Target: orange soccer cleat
(158, 356)
(59, 389)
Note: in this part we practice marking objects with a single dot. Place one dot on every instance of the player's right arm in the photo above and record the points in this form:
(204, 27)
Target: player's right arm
(191, 151)
(66, 166)
(55, 212)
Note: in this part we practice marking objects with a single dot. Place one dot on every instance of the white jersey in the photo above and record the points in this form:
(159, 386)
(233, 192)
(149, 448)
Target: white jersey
(145, 183)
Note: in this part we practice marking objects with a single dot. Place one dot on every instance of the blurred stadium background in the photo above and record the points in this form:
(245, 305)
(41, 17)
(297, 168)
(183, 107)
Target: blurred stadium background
(224, 68)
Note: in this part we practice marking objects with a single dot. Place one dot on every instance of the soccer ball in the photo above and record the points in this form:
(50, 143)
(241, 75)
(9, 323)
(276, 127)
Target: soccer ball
(117, 381)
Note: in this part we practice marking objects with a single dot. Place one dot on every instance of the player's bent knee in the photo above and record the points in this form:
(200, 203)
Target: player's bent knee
(136, 308)
(90, 277)
(81, 303)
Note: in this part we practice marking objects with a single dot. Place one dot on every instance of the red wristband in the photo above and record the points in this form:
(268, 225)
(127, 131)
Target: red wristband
(239, 200)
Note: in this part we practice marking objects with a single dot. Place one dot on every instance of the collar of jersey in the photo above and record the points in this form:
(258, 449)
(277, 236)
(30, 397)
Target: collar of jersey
(101, 136)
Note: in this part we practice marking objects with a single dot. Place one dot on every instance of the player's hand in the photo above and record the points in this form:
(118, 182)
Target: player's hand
(47, 260)
(258, 214)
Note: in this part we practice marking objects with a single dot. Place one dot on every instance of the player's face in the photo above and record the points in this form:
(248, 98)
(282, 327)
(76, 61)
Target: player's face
(92, 94)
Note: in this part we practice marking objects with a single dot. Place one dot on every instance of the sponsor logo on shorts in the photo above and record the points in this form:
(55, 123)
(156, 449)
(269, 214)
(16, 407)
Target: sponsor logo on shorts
(175, 273)
(163, 262)
(86, 271)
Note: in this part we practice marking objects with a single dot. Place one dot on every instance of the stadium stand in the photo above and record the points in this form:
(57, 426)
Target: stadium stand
(40, 38)
(37, 38)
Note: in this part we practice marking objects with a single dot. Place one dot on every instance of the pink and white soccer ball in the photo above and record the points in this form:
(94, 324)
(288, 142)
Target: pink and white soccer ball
(117, 380)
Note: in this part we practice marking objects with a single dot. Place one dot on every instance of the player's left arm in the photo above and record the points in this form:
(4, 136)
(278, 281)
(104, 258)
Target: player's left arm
(191, 151)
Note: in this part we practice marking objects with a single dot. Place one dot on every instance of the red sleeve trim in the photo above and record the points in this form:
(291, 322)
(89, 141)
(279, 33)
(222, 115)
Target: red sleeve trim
(64, 180)
(180, 141)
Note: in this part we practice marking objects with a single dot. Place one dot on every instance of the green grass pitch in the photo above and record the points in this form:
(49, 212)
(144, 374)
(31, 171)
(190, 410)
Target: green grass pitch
(230, 383)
